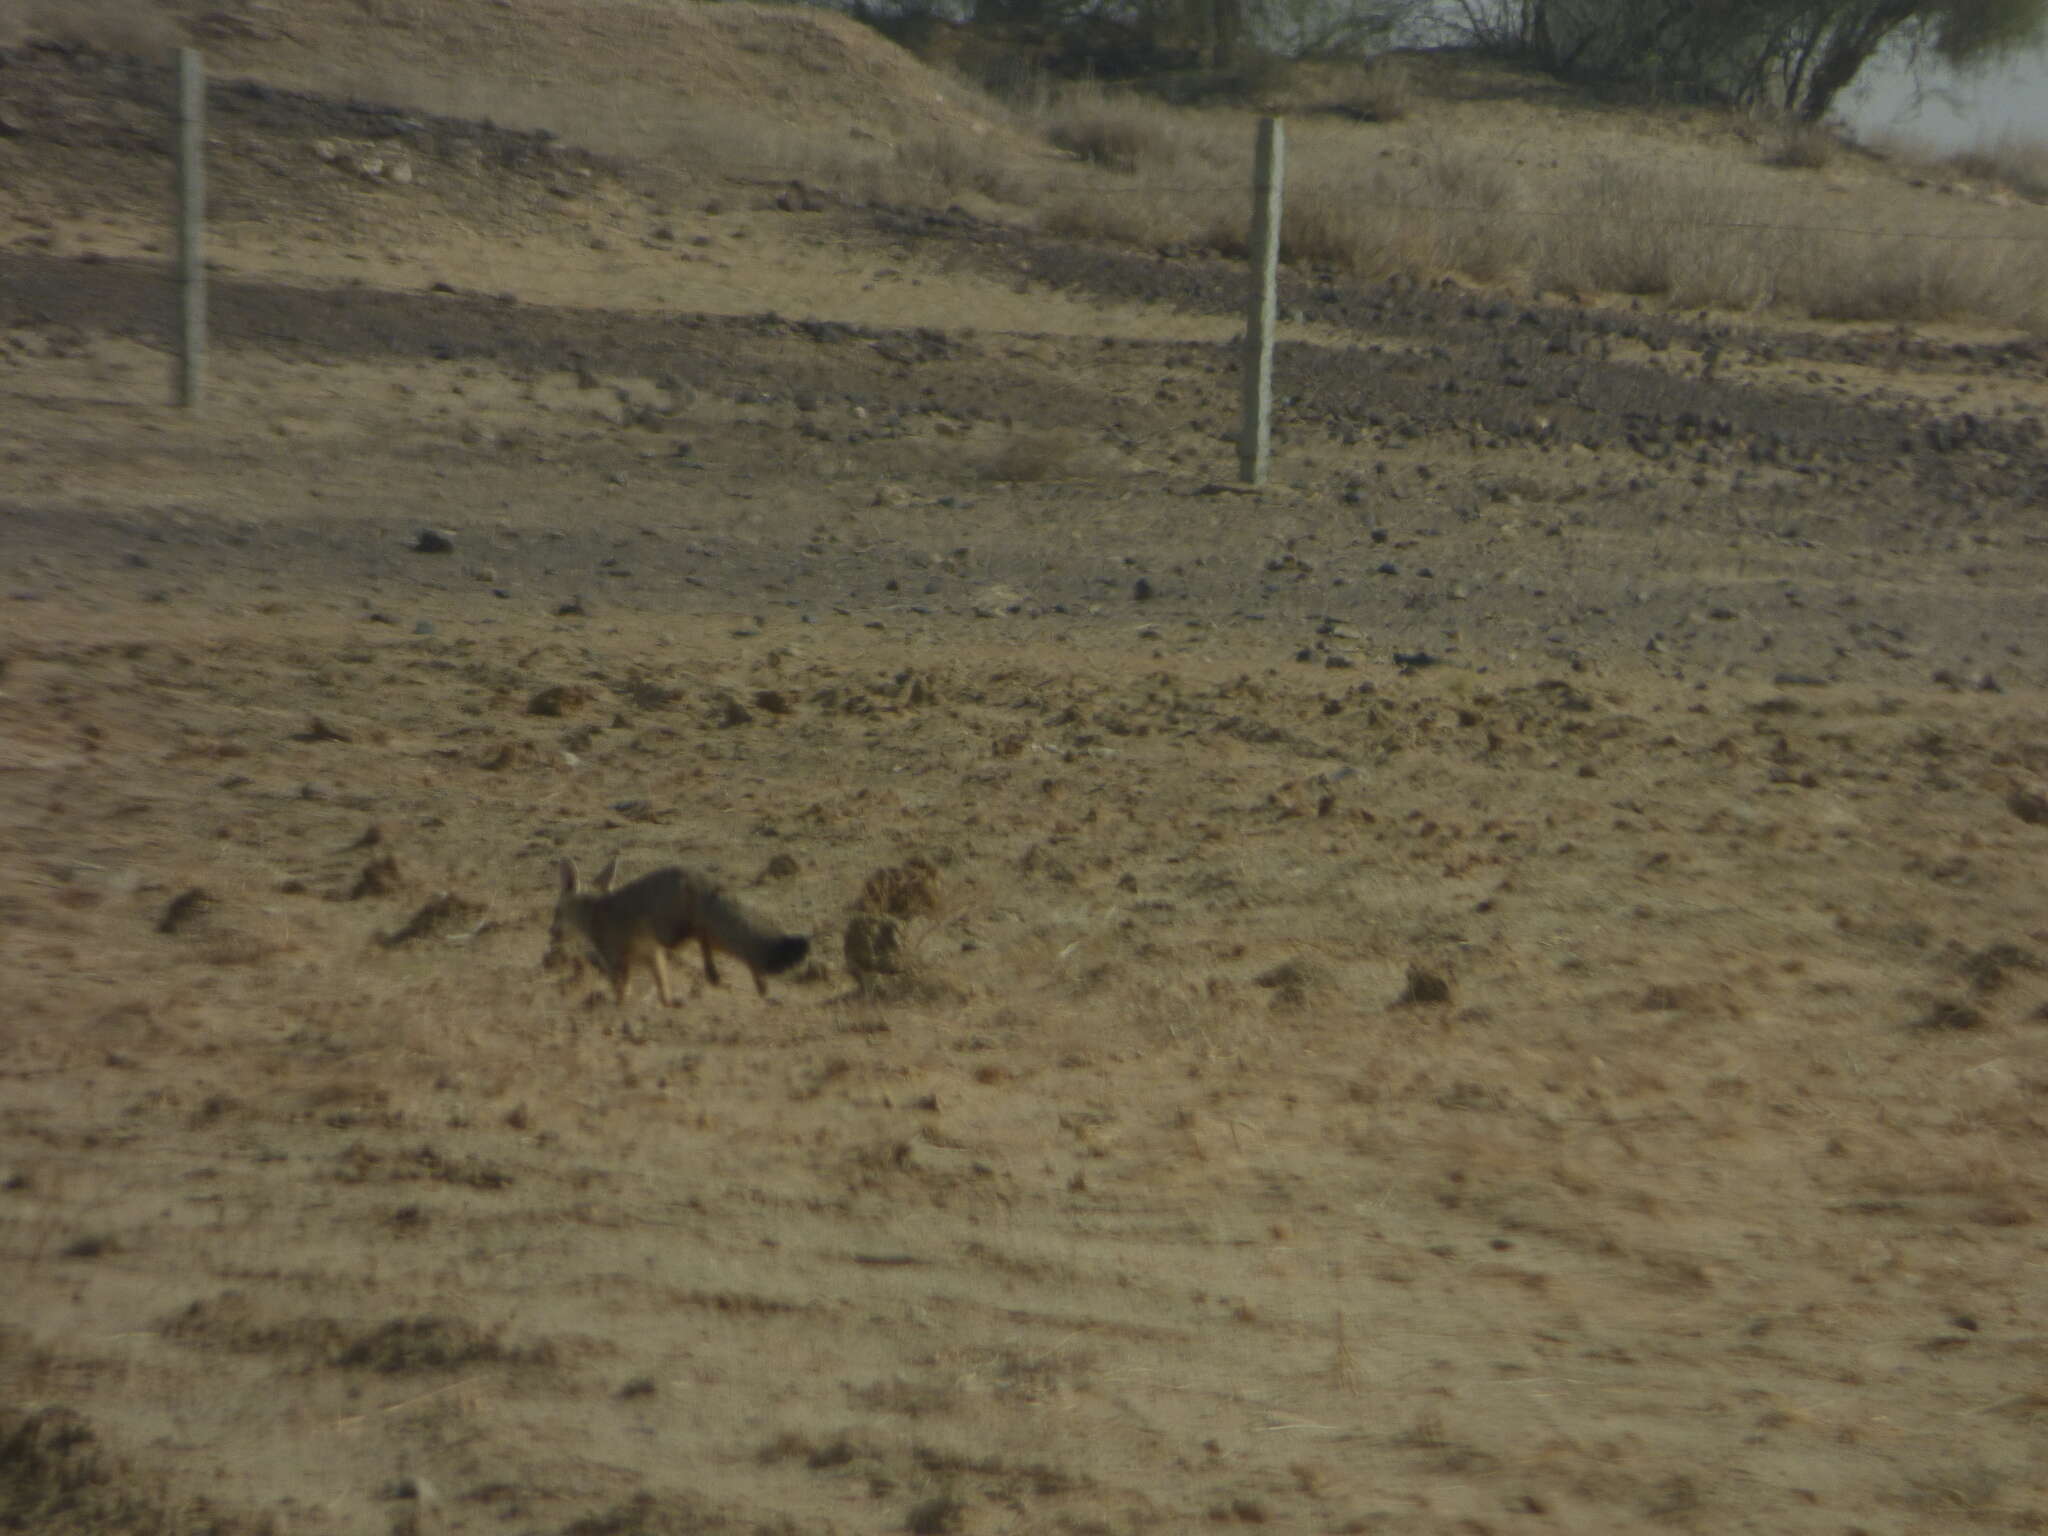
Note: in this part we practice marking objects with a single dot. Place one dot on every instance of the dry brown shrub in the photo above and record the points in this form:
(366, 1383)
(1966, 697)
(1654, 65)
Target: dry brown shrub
(2019, 165)
(872, 945)
(1384, 92)
(944, 165)
(1798, 145)
(1129, 216)
(1137, 135)
(1859, 277)
(1262, 78)
(1641, 227)
(909, 889)
(1451, 211)
(1120, 132)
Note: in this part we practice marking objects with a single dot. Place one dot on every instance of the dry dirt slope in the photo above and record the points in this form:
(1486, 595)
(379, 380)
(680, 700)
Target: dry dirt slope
(1164, 1191)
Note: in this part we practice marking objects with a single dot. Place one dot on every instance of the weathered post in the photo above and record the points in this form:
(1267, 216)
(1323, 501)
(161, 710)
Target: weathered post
(1255, 426)
(191, 153)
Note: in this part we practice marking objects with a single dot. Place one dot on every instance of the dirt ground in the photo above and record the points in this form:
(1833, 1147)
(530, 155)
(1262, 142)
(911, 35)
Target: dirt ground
(1498, 983)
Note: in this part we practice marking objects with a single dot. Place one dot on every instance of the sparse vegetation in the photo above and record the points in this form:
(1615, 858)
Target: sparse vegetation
(1803, 145)
(1693, 231)
(1384, 91)
(2019, 165)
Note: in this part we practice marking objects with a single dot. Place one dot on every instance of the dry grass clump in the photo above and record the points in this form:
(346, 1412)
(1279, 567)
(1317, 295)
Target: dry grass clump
(1799, 145)
(1448, 211)
(2019, 165)
(1123, 131)
(1691, 232)
(1383, 92)
(948, 164)
(1119, 133)
(1263, 78)
(1860, 277)
(1138, 216)
(1640, 228)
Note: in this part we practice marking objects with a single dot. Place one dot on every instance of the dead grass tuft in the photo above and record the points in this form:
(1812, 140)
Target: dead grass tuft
(2019, 165)
(1902, 278)
(1799, 145)
(1141, 216)
(1117, 131)
(909, 889)
(1384, 92)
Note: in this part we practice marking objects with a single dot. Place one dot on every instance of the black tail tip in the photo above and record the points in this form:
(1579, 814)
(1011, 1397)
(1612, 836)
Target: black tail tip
(786, 953)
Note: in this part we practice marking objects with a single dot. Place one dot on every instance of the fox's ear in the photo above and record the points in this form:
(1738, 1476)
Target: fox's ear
(568, 875)
(604, 876)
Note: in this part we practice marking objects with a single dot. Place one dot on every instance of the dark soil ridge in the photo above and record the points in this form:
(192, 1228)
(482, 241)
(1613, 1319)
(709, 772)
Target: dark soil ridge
(1506, 384)
(72, 97)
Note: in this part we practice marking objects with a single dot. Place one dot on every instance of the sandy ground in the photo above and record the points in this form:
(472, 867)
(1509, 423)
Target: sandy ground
(1494, 984)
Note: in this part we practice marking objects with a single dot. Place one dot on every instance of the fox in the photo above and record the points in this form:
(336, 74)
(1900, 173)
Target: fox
(661, 911)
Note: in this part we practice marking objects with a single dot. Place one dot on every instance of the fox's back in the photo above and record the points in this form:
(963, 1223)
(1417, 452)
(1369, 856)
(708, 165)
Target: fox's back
(667, 905)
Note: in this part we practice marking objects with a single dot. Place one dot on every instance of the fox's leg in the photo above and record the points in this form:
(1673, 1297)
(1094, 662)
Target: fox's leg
(710, 965)
(760, 981)
(661, 977)
(622, 980)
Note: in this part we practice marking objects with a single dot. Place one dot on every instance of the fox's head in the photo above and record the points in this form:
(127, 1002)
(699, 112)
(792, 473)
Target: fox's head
(569, 935)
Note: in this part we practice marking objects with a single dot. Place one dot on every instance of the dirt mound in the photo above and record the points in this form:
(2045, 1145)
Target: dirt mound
(616, 77)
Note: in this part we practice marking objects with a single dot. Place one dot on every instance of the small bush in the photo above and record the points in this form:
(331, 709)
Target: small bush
(1262, 77)
(943, 165)
(1893, 278)
(1798, 145)
(1384, 93)
(1128, 216)
(1119, 132)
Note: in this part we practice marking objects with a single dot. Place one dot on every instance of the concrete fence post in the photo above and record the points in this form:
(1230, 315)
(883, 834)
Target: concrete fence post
(1255, 426)
(191, 157)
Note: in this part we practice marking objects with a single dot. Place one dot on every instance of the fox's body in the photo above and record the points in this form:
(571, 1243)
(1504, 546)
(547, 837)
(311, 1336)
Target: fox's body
(646, 918)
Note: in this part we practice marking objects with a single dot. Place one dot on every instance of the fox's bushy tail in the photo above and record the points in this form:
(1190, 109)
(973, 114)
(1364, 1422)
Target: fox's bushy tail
(783, 952)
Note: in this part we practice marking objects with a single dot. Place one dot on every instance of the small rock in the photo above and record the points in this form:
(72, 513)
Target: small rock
(433, 541)
(187, 905)
(1141, 590)
(558, 699)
